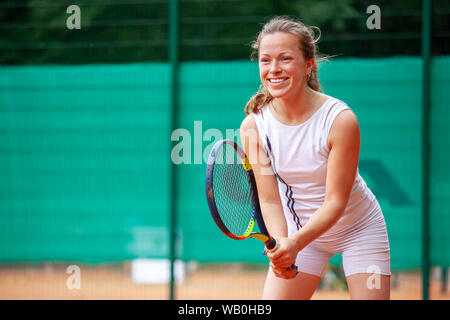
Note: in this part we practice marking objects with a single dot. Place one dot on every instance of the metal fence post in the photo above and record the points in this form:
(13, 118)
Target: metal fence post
(426, 109)
(173, 60)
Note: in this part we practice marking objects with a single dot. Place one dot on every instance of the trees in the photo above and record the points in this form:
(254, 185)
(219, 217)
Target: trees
(118, 31)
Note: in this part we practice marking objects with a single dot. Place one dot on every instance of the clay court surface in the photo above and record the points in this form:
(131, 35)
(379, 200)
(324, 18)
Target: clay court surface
(225, 282)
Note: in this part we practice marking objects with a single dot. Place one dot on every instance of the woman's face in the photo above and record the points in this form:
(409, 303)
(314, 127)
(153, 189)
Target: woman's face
(282, 67)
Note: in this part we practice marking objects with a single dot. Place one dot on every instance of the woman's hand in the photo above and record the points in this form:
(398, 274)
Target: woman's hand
(283, 257)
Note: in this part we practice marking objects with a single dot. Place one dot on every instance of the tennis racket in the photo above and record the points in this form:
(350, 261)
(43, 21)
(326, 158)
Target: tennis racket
(233, 197)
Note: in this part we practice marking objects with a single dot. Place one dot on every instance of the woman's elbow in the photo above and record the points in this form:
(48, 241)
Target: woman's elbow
(336, 206)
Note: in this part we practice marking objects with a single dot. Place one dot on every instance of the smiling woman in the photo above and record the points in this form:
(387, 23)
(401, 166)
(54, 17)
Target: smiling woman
(302, 48)
(313, 199)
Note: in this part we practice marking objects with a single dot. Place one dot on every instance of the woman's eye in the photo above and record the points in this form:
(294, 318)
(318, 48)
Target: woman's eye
(286, 58)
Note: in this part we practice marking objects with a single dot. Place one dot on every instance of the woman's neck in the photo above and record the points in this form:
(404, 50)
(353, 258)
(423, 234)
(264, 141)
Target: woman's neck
(296, 109)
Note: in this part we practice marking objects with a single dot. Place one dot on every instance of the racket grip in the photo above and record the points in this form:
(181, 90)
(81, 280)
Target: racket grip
(272, 245)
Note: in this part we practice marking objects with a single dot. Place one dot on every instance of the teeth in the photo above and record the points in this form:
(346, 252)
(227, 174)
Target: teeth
(276, 80)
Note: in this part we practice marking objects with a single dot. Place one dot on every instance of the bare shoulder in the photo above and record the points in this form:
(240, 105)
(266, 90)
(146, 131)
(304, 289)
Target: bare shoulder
(345, 127)
(249, 131)
(346, 118)
(248, 123)
(249, 135)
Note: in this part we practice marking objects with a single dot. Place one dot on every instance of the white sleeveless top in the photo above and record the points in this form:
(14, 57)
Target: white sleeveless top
(299, 157)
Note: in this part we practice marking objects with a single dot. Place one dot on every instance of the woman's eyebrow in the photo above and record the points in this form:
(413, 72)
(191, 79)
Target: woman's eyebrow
(286, 52)
(279, 53)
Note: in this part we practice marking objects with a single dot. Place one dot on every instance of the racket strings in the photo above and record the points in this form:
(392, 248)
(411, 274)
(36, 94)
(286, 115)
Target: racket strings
(235, 190)
(232, 191)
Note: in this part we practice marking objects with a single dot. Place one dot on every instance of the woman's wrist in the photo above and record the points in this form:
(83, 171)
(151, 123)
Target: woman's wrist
(298, 241)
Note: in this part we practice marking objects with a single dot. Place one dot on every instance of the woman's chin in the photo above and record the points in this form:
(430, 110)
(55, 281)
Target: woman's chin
(277, 93)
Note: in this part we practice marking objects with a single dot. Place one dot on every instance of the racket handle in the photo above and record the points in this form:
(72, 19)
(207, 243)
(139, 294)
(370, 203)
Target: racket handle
(272, 245)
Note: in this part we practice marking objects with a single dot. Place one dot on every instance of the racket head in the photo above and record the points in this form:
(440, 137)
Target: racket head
(232, 194)
(230, 179)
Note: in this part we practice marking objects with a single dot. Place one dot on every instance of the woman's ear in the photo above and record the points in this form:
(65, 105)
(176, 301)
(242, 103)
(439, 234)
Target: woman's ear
(310, 65)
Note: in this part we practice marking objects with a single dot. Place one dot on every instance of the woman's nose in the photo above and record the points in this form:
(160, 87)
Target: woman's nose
(275, 67)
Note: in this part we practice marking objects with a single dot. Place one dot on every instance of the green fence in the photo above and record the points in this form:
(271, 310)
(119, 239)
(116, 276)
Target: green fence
(84, 156)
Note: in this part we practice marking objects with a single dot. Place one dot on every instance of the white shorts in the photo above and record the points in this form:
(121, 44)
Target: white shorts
(364, 247)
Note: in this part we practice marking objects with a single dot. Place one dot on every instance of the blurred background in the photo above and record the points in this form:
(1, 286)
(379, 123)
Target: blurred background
(97, 99)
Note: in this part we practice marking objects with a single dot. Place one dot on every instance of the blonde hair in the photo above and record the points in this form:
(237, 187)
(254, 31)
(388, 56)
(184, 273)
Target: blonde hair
(307, 44)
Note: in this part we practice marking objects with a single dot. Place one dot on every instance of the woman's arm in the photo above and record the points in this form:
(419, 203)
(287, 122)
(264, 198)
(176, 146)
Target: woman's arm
(266, 182)
(344, 143)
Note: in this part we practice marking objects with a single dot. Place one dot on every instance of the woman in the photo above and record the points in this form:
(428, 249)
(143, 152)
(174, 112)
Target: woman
(304, 149)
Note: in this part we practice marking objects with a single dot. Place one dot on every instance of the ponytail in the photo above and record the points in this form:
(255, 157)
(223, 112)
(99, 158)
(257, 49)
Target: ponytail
(259, 100)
